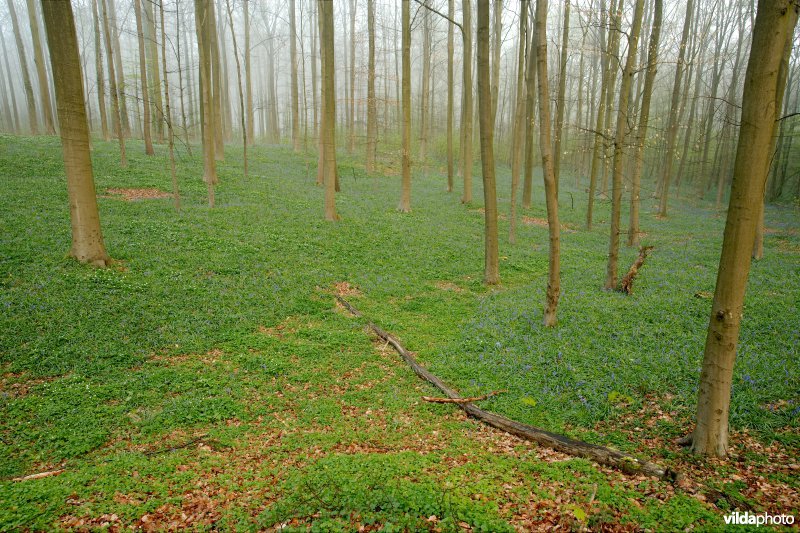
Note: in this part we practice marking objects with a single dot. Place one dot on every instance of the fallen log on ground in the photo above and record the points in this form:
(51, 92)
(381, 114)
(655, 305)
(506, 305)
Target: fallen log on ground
(462, 400)
(599, 454)
(626, 285)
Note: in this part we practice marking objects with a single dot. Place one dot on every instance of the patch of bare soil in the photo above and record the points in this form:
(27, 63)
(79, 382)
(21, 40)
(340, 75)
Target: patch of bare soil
(17, 385)
(130, 195)
(542, 223)
(448, 286)
(345, 289)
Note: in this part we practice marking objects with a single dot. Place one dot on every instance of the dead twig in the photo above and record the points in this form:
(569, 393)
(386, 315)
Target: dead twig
(177, 447)
(40, 475)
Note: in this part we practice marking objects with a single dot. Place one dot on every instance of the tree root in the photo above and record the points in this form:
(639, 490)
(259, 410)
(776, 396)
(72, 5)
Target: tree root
(626, 285)
(599, 454)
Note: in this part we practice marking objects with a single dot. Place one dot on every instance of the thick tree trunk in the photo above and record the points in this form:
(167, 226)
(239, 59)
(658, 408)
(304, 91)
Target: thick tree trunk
(148, 142)
(87, 237)
(775, 20)
(372, 108)
(545, 146)
(644, 117)
(115, 104)
(491, 272)
(33, 120)
(619, 146)
(405, 195)
(150, 41)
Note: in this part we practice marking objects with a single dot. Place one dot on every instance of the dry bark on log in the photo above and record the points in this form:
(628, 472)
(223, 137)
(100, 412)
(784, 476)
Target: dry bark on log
(626, 285)
(40, 475)
(599, 454)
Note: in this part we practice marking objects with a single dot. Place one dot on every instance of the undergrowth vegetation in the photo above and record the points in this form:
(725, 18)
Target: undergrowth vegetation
(208, 379)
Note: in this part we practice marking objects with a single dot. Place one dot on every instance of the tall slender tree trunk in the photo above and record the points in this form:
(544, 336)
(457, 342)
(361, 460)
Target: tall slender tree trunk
(351, 123)
(148, 142)
(546, 148)
(530, 115)
(450, 96)
(425, 82)
(205, 26)
(405, 196)
(239, 84)
(115, 104)
(184, 122)
(328, 133)
(295, 91)
(783, 72)
(150, 41)
(216, 83)
(774, 20)
(491, 272)
(41, 72)
(33, 120)
(672, 121)
(248, 76)
(176, 196)
(372, 108)
(98, 64)
(119, 73)
(519, 121)
(87, 237)
(619, 146)
(466, 110)
(600, 118)
(644, 117)
(614, 64)
(562, 90)
(497, 42)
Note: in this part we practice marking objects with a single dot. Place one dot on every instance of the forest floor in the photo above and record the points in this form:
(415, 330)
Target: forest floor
(208, 379)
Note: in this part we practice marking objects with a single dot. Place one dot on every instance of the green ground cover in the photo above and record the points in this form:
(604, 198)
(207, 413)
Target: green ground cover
(208, 379)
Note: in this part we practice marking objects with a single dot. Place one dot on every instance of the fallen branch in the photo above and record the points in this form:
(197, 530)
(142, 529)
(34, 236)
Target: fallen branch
(40, 475)
(626, 285)
(177, 447)
(462, 400)
(599, 454)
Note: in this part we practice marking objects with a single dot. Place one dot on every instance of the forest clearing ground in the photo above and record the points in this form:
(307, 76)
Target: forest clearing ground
(212, 382)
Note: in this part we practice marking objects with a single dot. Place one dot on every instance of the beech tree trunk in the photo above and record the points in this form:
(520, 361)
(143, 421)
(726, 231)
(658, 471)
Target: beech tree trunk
(204, 27)
(405, 195)
(775, 20)
(239, 85)
(87, 237)
(148, 142)
(619, 146)
(98, 64)
(466, 110)
(372, 108)
(33, 120)
(41, 72)
(562, 91)
(450, 97)
(115, 105)
(176, 196)
(518, 141)
(644, 117)
(295, 91)
(491, 272)
(672, 122)
(545, 146)
(530, 114)
(328, 133)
